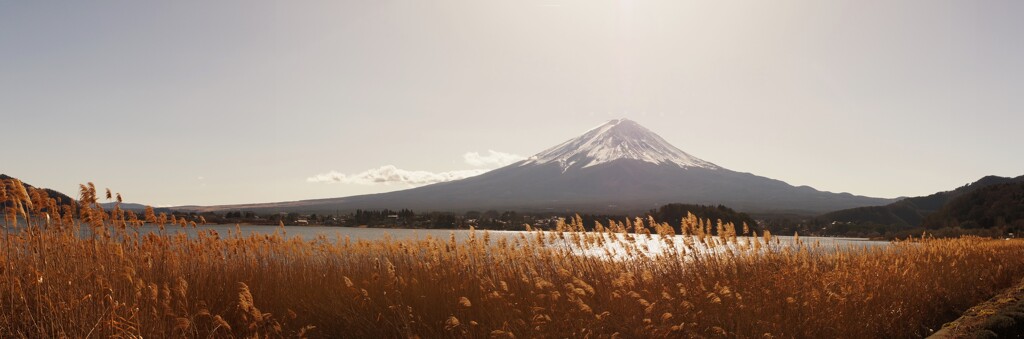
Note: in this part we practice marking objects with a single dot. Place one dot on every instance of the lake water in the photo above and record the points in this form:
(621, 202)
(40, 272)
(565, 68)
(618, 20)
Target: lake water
(652, 244)
(311, 232)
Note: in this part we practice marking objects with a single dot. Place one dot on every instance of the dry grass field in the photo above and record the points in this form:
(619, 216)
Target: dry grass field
(719, 282)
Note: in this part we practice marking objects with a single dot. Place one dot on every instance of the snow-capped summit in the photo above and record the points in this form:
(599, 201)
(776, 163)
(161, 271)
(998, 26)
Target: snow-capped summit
(616, 139)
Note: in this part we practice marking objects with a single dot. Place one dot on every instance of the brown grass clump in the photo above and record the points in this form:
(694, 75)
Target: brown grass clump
(95, 275)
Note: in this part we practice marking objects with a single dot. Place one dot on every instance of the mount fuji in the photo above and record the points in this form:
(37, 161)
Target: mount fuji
(619, 166)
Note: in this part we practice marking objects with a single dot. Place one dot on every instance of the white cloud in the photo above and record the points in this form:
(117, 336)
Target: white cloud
(392, 175)
(492, 159)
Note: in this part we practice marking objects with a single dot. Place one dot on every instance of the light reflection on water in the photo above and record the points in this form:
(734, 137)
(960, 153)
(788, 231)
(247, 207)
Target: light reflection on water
(628, 246)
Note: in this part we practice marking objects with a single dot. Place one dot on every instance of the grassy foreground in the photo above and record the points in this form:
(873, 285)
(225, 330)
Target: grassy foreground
(116, 283)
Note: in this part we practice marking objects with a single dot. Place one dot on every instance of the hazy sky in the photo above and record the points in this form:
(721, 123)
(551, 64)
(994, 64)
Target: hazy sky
(214, 102)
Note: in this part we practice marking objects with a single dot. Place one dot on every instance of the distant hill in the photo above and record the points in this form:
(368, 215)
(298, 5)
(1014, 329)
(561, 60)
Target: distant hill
(136, 208)
(911, 212)
(127, 206)
(987, 207)
(62, 199)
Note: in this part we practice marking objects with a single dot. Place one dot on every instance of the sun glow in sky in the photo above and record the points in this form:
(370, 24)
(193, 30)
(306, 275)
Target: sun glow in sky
(194, 102)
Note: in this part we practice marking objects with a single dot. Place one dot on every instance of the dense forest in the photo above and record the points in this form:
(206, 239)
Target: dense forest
(674, 213)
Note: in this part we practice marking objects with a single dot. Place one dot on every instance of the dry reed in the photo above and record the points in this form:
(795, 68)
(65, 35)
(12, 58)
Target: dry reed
(118, 282)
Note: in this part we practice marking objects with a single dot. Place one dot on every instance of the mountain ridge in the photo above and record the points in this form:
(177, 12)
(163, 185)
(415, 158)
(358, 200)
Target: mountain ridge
(911, 212)
(999, 204)
(619, 166)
